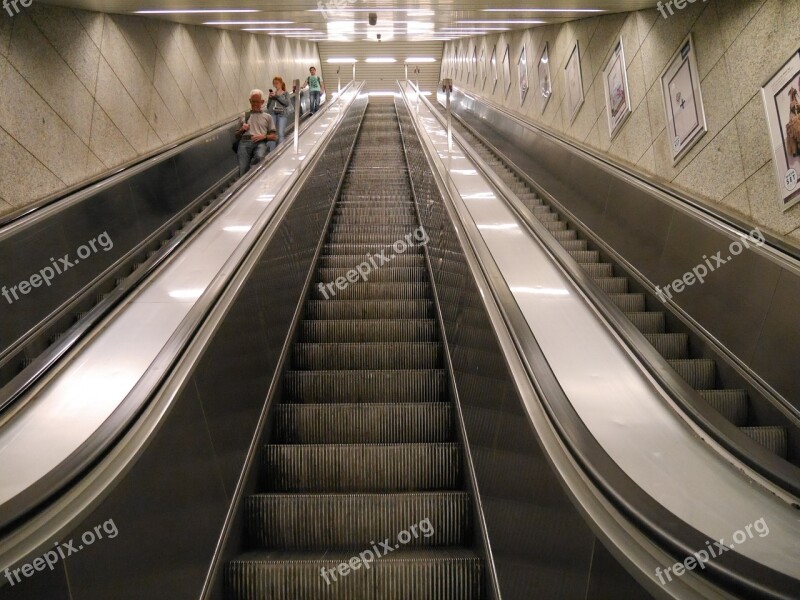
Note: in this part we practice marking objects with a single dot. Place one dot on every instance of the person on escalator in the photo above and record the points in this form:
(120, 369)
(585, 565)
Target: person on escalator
(256, 134)
(315, 87)
(277, 105)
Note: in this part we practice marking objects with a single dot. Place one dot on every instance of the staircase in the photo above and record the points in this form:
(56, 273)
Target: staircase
(362, 489)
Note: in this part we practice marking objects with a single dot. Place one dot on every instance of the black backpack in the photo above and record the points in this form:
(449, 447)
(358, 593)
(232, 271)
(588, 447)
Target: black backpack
(235, 146)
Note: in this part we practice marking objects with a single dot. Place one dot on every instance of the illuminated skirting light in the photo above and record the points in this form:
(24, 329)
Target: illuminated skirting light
(188, 294)
(380, 60)
(266, 198)
(464, 171)
(196, 11)
(540, 291)
(237, 228)
(499, 226)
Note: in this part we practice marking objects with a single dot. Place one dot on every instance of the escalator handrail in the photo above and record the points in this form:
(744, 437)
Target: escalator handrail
(775, 248)
(745, 451)
(16, 510)
(734, 572)
(27, 379)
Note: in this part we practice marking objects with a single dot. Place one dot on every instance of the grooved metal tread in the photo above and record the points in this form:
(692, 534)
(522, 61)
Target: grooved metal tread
(419, 385)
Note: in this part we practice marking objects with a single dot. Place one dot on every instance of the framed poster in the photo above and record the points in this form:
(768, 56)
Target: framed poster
(615, 81)
(522, 66)
(482, 68)
(506, 70)
(683, 101)
(494, 67)
(475, 65)
(781, 96)
(545, 84)
(574, 82)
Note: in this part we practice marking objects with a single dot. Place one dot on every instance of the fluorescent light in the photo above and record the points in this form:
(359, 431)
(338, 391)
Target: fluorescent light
(341, 61)
(548, 10)
(420, 60)
(380, 59)
(248, 22)
(517, 21)
(457, 29)
(410, 11)
(193, 11)
(277, 29)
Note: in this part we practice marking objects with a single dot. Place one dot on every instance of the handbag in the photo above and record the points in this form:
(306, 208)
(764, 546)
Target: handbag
(235, 145)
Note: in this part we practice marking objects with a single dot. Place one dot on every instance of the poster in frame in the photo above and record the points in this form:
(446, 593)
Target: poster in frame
(683, 100)
(781, 95)
(574, 80)
(506, 70)
(545, 83)
(482, 67)
(522, 66)
(494, 67)
(474, 65)
(615, 82)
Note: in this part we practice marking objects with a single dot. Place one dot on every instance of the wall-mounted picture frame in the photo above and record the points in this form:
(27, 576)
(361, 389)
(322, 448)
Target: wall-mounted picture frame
(781, 95)
(482, 67)
(506, 70)
(493, 62)
(574, 80)
(474, 65)
(545, 82)
(522, 67)
(615, 82)
(683, 100)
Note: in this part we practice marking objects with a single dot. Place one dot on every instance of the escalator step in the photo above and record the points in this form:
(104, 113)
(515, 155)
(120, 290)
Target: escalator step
(349, 261)
(376, 219)
(629, 302)
(369, 309)
(564, 234)
(371, 330)
(731, 404)
(699, 373)
(367, 355)
(555, 226)
(397, 291)
(355, 521)
(670, 345)
(647, 322)
(365, 386)
(612, 285)
(409, 423)
(598, 269)
(362, 467)
(421, 574)
(371, 211)
(369, 248)
(775, 439)
(575, 245)
(585, 256)
(381, 274)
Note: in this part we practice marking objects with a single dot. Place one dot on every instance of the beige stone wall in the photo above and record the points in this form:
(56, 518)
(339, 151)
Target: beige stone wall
(83, 92)
(740, 43)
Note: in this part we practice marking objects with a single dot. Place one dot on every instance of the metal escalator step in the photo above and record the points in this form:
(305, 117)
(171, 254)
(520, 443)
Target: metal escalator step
(338, 387)
(371, 211)
(362, 467)
(409, 220)
(355, 521)
(555, 225)
(585, 256)
(629, 302)
(383, 273)
(670, 345)
(385, 238)
(407, 423)
(731, 404)
(774, 439)
(545, 215)
(421, 574)
(575, 245)
(369, 309)
(371, 330)
(598, 269)
(368, 355)
(373, 291)
(700, 373)
(612, 285)
(565, 234)
(648, 322)
(369, 249)
(349, 261)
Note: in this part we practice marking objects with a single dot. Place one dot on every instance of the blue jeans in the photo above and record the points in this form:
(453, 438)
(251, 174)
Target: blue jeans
(315, 101)
(251, 154)
(280, 122)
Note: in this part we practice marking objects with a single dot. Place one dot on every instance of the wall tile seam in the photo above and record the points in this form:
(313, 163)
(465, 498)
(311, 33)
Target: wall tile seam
(74, 12)
(30, 156)
(122, 135)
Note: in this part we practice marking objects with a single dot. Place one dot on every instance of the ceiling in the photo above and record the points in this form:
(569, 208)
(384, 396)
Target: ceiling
(347, 20)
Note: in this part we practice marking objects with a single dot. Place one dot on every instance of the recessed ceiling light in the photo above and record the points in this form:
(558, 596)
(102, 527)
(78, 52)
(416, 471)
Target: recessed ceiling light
(248, 22)
(380, 59)
(193, 11)
(341, 61)
(420, 60)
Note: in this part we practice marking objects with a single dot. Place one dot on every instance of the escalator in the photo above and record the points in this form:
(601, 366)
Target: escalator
(697, 370)
(362, 490)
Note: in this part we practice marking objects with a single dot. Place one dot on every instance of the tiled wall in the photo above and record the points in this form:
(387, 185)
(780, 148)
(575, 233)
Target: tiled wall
(740, 43)
(83, 92)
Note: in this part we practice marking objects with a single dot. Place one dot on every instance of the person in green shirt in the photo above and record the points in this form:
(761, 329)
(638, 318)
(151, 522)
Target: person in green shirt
(315, 87)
